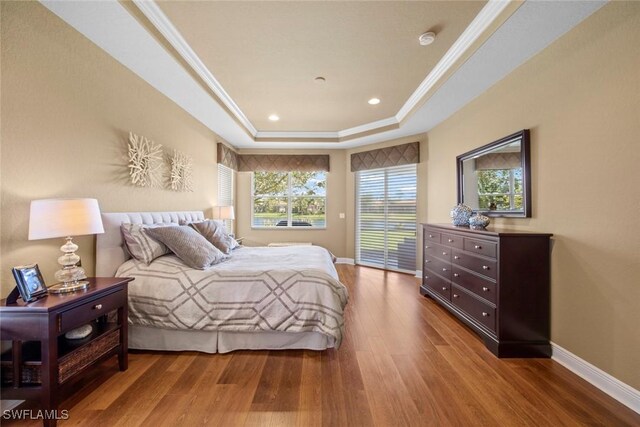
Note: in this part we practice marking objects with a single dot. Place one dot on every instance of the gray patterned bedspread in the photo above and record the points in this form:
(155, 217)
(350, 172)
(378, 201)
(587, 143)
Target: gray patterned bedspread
(292, 289)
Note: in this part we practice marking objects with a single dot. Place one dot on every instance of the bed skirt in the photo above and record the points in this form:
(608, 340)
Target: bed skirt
(147, 338)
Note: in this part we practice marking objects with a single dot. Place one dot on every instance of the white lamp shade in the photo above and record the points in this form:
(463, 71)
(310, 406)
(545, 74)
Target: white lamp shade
(223, 212)
(51, 218)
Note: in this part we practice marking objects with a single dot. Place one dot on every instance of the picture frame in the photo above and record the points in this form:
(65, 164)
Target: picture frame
(29, 282)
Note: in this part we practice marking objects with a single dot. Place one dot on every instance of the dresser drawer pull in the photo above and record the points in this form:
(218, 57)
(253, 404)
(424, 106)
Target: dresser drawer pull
(456, 296)
(485, 267)
(456, 275)
(444, 288)
(426, 261)
(485, 314)
(444, 253)
(427, 247)
(97, 307)
(456, 257)
(485, 289)
(450, 240)
(478, 247)
(431, 235)
(444, 269)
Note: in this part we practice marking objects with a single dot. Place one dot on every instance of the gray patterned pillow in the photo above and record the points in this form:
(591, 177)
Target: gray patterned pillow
(193, 249)
(216, 233)
(140, 245)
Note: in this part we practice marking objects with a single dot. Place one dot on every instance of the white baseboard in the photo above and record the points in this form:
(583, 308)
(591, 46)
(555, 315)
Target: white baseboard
(419, 274)
(349, 261)
(615, 388)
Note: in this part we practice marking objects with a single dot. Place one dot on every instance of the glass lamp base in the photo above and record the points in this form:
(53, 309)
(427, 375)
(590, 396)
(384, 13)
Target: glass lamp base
(63, 288)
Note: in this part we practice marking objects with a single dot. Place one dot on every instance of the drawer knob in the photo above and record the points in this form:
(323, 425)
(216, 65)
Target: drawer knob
(485, 289)
(485, 267)
(427, 247)
(97, 307)
(444, 269)
(456, 296)
(444, 253)
(431, 235)
(426, 261)
(456, 275)
(444, 288)
(485, 314)
(478, 247)
(450, 240)
(456, 257)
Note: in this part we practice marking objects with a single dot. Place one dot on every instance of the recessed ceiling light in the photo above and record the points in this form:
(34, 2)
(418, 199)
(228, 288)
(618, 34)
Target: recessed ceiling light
(374, 101)
(427, 38)
(274, 118)
(320, 79)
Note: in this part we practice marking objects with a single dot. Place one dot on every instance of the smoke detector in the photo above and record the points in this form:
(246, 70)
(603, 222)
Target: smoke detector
(427, 38)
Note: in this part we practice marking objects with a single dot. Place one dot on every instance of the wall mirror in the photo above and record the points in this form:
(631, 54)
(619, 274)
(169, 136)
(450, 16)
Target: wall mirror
(495, 179)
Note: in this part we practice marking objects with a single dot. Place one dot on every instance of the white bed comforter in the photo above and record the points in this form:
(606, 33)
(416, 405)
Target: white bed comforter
(292, 289)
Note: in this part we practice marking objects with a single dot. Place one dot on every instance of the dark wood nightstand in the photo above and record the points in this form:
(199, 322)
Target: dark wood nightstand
(47, 320)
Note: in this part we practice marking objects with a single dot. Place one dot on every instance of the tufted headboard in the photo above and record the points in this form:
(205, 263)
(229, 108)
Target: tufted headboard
(110, 250)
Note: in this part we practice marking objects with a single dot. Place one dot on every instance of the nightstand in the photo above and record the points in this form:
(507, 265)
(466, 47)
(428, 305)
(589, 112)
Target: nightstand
(36, 371)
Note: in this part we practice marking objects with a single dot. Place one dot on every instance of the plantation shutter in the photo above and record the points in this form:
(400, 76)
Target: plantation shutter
(386, 218)
(225, 190)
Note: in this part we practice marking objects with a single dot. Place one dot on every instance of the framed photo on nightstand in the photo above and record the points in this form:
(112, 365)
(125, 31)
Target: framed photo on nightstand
(30, 282)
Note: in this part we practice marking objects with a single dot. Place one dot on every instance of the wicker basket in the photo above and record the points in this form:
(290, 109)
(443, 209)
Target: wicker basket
(68, 365)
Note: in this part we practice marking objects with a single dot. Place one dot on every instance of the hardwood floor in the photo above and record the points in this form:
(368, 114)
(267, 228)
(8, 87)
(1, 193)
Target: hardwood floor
(404, 361)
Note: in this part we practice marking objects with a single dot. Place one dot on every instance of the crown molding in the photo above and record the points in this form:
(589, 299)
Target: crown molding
(160, 21)
(489, 13)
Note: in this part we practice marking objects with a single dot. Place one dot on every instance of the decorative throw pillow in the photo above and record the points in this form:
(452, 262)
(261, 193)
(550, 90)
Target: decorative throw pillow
(140, 245)
(216, 233)
(193, 249)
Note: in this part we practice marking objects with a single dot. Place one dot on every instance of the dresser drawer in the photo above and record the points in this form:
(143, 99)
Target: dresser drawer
(482, 247)
(437, 284)
(431, 236)
(484, 288)
(443, 268)
(480, 311)
(85, 313)
(476, 264)
(452, 240)
(438, 251)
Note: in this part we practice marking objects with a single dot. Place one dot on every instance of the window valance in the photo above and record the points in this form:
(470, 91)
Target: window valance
(227, 157)
(397, 155)
(283, 162)
(272, 162)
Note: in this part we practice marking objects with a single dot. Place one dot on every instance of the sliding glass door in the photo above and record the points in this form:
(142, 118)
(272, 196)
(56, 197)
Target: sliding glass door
(386, 218)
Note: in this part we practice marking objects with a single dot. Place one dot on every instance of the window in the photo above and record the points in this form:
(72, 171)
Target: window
(289, 199)
(500, 189)
(386, 218)
(225, 191)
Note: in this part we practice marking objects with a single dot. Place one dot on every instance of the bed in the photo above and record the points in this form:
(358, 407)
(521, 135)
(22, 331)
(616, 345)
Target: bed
(259, 298)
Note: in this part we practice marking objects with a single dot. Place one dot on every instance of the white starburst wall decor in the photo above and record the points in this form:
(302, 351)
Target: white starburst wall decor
(145, 161)
(181, 171)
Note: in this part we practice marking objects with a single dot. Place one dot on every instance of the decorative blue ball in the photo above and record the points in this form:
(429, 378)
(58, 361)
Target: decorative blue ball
(460, 215)
(479, 221)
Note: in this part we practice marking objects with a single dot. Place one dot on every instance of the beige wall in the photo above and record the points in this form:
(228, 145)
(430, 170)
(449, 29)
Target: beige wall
(332, 237)
(581, 99)
(67, 108)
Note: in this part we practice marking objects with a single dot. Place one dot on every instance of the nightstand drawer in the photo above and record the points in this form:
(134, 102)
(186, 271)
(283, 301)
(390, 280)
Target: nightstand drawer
(89, 311)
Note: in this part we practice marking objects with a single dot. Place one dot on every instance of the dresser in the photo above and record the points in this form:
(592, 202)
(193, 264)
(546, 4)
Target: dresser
(495, 281)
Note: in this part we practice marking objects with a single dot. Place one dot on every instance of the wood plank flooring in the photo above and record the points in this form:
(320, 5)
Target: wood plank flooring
(404, 361)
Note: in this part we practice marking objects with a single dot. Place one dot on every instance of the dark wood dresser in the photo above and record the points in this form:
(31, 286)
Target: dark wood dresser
(496, 281)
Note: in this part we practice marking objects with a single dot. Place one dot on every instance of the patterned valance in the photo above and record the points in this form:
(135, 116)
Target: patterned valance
(499, 161)
(227, 157)
(385, 157)
(283, 162)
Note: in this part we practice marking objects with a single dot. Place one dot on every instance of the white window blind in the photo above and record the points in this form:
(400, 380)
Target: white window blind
(225, 190)
(386, 218)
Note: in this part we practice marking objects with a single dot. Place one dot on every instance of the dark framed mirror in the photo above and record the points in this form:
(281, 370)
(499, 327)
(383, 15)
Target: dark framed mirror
(495, 179)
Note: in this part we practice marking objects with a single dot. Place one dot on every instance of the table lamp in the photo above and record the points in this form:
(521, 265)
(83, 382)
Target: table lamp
(224, 213)
(51, 218)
